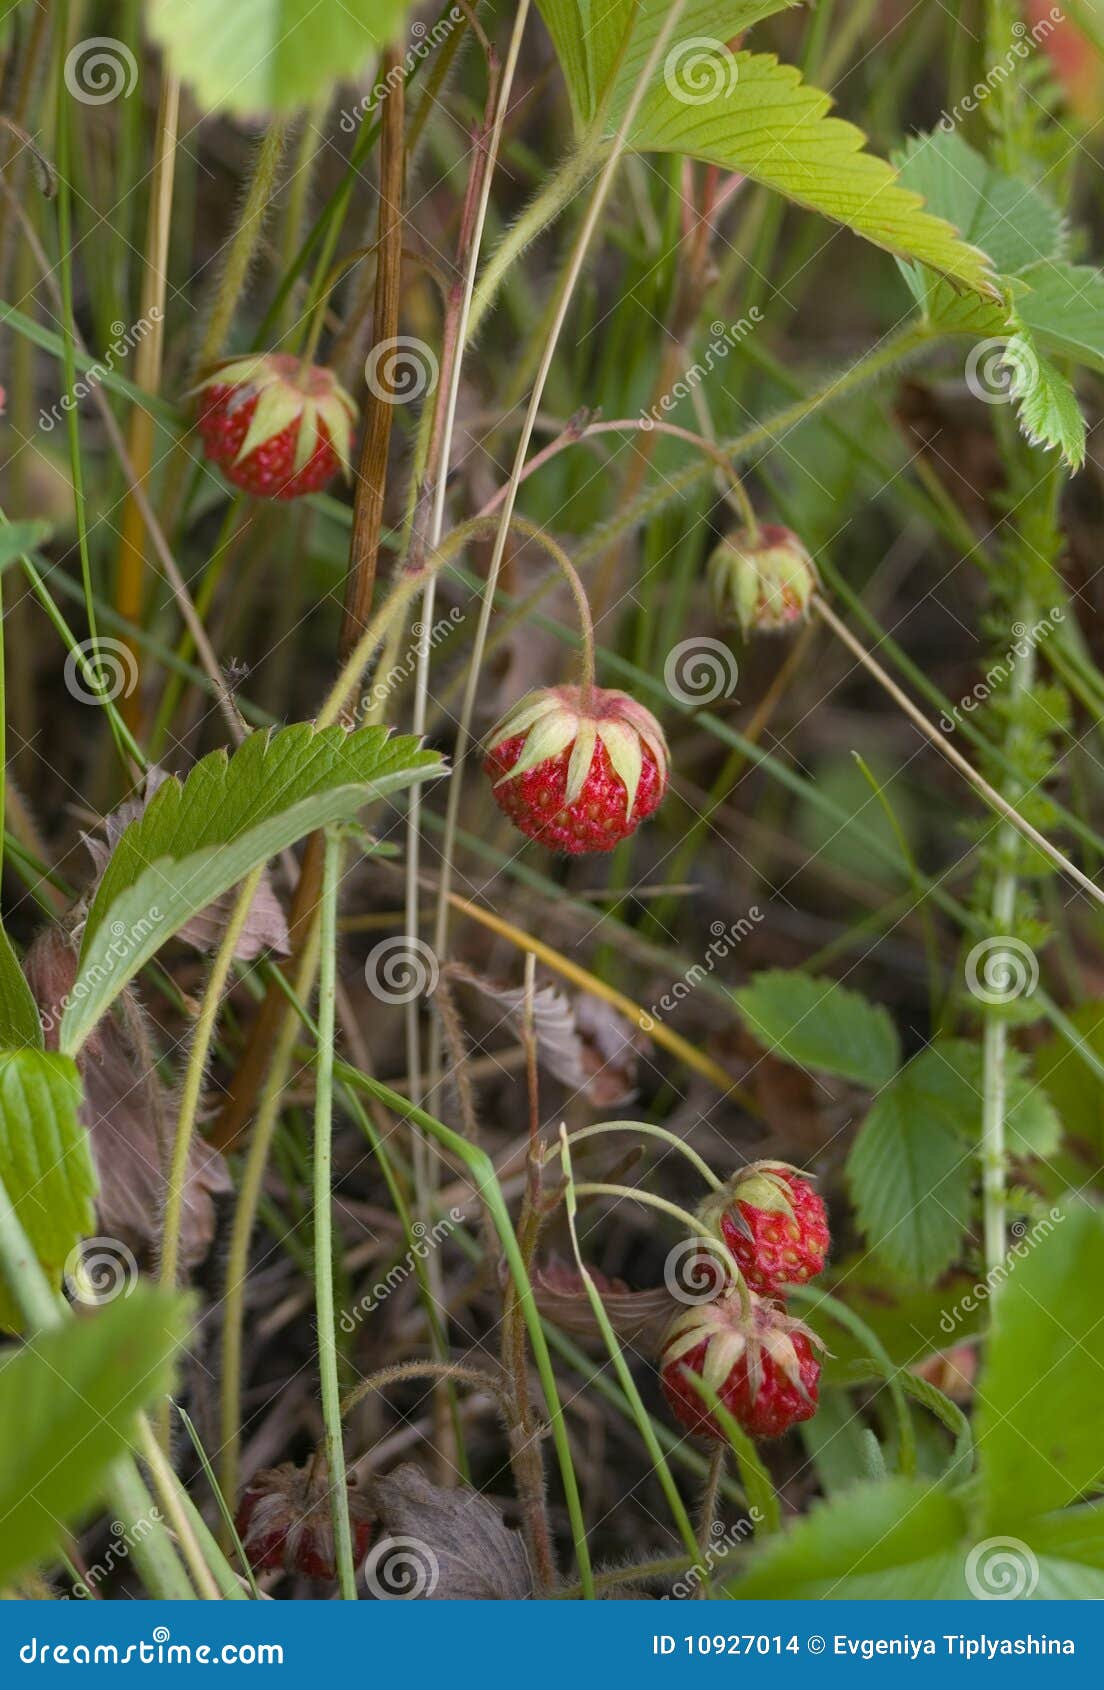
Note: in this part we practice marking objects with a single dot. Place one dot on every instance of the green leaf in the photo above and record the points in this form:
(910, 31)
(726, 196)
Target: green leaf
(911, 1168)
(1069, 1552)
(256, 56)
(775, 128)
(819, 1024)
(749, 113)
(897, 1539)
(1076, 1092)
(1063, 306)
(67, 1404)
(194, 842)
(1041, 1393)
(1031, 1123)
(1013, 223)
(589, 34)
(1049, 414)
(45, 1159)
(19, 537)
(20, 1022)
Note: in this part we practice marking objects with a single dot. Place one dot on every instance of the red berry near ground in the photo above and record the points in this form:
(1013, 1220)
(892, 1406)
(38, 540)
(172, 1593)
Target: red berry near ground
(760, 1363)
(775, 1225)
(285, 1521)
(578, 775)
(273, 428)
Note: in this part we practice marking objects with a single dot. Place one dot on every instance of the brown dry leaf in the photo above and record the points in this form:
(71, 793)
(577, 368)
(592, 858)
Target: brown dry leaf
(582, 1042)
(637, 1317)
(125, 1112)
(456, 1541)
(266, 924)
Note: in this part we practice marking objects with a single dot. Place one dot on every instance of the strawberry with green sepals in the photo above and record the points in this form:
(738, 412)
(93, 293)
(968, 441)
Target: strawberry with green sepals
(578, 768)
(762, 578)
(774, 1223)
(276, 426)
(758, 1361)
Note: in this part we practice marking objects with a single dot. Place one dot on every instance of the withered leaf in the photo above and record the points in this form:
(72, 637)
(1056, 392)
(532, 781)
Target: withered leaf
(466, 1551)
(581, 1041)
(638, 1317)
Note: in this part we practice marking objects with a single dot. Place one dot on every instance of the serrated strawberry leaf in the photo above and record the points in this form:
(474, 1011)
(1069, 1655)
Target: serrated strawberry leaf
(819, 1024)
(746, 112)
(911, 1169)
(197, 839)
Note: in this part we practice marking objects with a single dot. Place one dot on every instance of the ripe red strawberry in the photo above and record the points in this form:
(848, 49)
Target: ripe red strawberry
(774, 1223)
(578, 777)
(274, 428)
(284, 1520)
(760, 1365)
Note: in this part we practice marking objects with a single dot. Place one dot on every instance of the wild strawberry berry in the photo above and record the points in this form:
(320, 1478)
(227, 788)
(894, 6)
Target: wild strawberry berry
(274, 428)
(285, 1520)
(759, 1363)
(578, 776)
(775, 1225)
(763, 580)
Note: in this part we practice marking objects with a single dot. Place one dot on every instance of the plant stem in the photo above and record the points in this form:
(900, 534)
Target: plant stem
(371, 478)
(567, 289)
(624, 1375)
(988, 792)
(243, 245)
(168, 1487)
(323, 1218)
(252, 1180)
(485, 1180)
(193, 1085)
(130, 569)
(649, 1131)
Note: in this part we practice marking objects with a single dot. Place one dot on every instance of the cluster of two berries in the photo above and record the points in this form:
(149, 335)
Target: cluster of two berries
(741, 1345)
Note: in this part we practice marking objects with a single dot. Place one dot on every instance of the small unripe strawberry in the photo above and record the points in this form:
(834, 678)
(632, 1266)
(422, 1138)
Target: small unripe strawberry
(274, 428)
(763, 580)
(775, 1225)
(285, 1520)
(759, 1362)
(577, 775)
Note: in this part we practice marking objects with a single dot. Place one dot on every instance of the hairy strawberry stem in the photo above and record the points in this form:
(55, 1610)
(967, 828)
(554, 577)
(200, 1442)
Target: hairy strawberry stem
(624, 1375)
(649, 1131)
(323, 1217)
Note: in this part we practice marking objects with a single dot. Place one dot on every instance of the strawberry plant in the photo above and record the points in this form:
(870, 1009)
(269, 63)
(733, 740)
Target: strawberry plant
(551, 1022)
